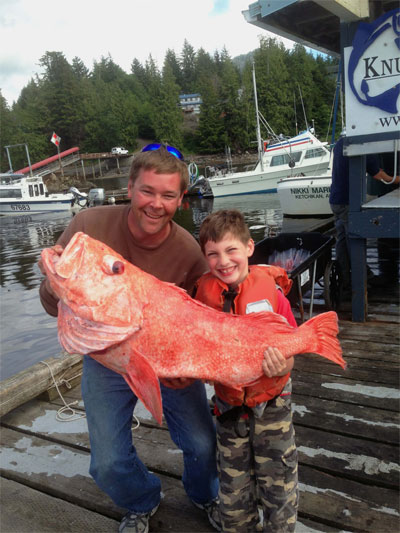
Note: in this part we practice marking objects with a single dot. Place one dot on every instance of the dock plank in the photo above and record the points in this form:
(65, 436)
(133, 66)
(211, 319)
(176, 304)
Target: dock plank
(26, 510)
(352, 420)
(61, 471)
(321, 448)
(347, 432)
(363, 393)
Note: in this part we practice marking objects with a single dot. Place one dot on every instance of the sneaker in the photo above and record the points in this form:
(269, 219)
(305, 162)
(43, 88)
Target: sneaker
(136, 522)
(212, 510)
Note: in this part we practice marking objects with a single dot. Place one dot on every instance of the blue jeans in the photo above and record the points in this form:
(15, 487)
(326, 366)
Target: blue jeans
(115, 466)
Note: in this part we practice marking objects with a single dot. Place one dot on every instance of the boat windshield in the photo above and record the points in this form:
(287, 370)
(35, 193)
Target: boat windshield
(284, 159)
(314, 152)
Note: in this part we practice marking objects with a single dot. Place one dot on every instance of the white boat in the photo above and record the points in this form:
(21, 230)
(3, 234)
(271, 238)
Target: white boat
(303, 154)
(20, 194)
(282, 157)
(303, 196)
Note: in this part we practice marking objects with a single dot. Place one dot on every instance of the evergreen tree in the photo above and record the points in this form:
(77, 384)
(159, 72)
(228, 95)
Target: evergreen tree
(64, 99)
(210, 134)
(79, 69)
(232, 104)
(273, 85)
(167, 125)
(173, 62)
(188, 66)
(204, 67)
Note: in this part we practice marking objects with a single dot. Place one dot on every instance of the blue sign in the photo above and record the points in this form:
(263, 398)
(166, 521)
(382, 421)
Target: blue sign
(374, 67)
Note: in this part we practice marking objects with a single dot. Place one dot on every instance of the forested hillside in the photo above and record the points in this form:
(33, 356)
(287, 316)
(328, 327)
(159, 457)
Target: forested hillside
(106, 106)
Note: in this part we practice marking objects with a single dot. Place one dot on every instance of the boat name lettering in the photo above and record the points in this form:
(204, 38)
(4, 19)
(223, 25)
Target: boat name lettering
(20, 207)
(301, 190)
(321, 189)
(309, 196)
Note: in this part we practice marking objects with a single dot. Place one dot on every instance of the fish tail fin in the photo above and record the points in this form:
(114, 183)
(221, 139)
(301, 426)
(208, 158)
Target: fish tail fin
(143, 381)
(325, 330)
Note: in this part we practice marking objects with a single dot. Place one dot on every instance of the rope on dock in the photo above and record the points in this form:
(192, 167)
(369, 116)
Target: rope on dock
(60, 416)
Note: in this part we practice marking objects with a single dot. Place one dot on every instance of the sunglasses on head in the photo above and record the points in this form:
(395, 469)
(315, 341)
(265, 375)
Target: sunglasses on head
(156, 146)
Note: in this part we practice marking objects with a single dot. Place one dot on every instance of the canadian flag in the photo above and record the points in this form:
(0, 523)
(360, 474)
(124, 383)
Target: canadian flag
(55, 139)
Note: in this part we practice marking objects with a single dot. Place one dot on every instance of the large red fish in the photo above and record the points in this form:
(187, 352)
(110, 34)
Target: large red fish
(147, 329)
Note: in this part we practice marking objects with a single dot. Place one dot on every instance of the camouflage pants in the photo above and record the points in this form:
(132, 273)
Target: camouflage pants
(258, 470)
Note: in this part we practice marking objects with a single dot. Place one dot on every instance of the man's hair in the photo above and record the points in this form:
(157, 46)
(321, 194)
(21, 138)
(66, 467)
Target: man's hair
(162, 162)
(216, 225)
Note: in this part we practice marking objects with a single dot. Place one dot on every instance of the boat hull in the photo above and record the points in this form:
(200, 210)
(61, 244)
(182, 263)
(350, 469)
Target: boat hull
(305, 196)
(258, 181)
(18, 207)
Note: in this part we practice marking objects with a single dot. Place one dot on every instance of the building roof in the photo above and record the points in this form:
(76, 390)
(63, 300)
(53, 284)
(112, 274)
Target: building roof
(314, 23)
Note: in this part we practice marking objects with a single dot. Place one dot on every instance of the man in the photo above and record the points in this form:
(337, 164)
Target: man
(144, 234)
(339, 201)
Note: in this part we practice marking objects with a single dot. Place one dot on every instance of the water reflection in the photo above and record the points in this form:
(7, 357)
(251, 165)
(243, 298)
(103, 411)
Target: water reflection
(262, 212)
(28, 334)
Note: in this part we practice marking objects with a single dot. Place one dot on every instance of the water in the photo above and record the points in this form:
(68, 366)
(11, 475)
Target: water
(27, 333)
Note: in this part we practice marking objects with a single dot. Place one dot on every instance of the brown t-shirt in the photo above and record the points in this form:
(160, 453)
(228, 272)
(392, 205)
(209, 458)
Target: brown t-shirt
(177, 260)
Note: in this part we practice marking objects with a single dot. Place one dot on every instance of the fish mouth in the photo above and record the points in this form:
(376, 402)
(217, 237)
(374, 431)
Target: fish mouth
(70, 262)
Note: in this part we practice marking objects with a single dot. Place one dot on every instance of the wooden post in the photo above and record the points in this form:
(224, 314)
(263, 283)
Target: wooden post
(100, 167)
(59, 159)
(32, 381)
(83, 170)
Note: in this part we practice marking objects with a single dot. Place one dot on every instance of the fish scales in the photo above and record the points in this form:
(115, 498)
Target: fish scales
(147, 329)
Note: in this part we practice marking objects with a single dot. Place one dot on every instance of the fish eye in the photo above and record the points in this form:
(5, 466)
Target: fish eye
(118, 267)
(112, 265)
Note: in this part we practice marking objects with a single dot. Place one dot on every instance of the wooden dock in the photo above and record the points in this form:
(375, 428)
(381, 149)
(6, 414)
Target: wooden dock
(347, 433)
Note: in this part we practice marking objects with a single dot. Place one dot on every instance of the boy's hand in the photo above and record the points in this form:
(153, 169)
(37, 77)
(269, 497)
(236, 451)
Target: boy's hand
(275, 364)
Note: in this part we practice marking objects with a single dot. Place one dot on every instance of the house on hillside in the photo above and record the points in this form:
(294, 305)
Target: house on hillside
(190, 103)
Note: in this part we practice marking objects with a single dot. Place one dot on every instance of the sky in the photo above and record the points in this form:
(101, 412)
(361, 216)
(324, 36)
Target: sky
(123, 29)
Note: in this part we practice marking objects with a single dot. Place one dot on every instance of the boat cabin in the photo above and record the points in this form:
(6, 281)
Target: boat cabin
(21, 186)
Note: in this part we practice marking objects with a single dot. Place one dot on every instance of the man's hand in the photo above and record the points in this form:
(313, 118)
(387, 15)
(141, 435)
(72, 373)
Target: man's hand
(177, 383)
(58, 249)
(275, 364)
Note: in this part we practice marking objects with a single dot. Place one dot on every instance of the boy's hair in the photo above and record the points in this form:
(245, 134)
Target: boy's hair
(162, 162)
(216, 225)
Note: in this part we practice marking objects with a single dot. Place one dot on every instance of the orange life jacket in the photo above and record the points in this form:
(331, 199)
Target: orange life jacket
(259, 285)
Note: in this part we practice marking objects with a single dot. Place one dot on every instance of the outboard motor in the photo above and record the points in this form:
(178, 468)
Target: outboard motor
(80, 198)
(96, 197)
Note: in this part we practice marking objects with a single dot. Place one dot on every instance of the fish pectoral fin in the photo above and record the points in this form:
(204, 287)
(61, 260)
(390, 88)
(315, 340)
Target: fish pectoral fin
(142, 379)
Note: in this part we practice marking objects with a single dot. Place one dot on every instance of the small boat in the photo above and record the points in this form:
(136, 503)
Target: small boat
(305, 196)
(303, 154)
(20, 194)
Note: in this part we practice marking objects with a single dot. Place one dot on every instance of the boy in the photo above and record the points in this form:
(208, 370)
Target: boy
(255, 435)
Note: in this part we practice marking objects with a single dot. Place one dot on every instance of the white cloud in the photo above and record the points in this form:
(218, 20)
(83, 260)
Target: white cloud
(125, 29)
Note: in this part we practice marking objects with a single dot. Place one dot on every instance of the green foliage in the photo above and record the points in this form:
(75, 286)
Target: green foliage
(104, 107)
